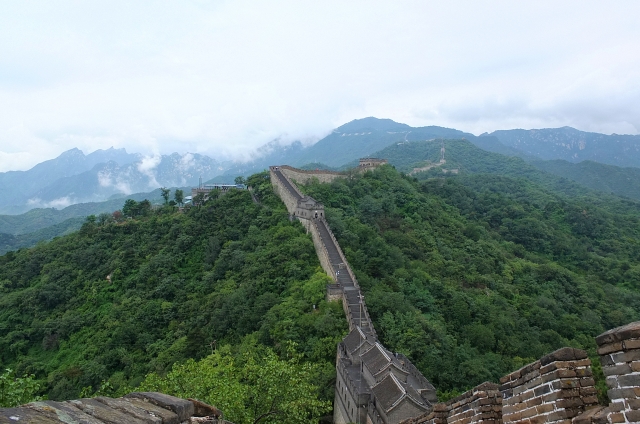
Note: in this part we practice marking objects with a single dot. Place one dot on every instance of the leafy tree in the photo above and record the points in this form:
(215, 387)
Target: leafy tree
(165, 192)
(179, 196)
(240, 180)
(130, 208)
(253, 387)
(17, 391)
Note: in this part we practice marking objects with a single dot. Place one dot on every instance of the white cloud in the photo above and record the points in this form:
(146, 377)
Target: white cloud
(223, 78)
(59, 203)
(147, 165)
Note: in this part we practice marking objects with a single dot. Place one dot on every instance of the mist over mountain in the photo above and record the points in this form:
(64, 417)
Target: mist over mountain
(73, 178)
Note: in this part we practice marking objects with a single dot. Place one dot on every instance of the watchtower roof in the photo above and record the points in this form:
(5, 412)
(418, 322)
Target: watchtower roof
(390, 393)
(355, 339)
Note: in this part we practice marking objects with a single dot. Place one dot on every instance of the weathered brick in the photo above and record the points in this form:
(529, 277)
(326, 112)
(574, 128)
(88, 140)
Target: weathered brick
(551, 397)
(627, 393)
(544, 408)
(542, 390)
(565, 373)
(584, 372)
(631, 344)
(565, 384)
(609, 348)
(617, 417)
(569, 393)
(616, 406)
(635, 366)
(587, 381)
(557, 415)
(612, 381)
(629, 331)
(569, 403)
(628, 356)
(607, 360)
(590, 400)
(632, 380)
(534, 402)
(534, 382)
(586, 391)
(529, 412)
(633, 415)
(550, 376)
(633, 403)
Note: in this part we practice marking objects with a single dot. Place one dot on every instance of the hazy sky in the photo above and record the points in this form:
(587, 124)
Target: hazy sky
(224, 77)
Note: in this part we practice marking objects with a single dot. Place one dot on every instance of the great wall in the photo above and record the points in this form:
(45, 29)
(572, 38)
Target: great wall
(375, 385)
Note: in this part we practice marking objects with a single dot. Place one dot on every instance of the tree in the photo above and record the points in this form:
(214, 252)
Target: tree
(164, 192)
(17, 391)
(199, 199)
(130, 208)
(240, 180)
(254, 387)
(179, 196)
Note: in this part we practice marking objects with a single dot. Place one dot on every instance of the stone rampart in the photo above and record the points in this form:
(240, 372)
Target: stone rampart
(556, 388)
(302, 176)
(619, 351)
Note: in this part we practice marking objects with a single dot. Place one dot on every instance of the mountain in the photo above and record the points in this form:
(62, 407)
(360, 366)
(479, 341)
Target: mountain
(75, 178)
(16, 186)
(603, 183)
(597, 176)
(573, 145)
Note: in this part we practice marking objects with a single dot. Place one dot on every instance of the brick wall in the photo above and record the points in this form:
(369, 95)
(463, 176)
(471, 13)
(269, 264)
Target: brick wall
(619, 351)
(553, 389)
(302, 176)
(482, 404)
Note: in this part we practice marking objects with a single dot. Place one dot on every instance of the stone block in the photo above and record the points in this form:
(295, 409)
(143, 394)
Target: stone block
(28, 415)
(569, 403)
(105, 413)
(586, 382)
(617, 417)
(566, 373)
(564, 354)
(628, 356)
(632, 380)
(588, 416)
(544, 408)
(64, 410)
(635, 366)
(609, 348)
(584, 372)
(586, 391)
(631, 344)
(607, 360)
(168, 417)
(626, 393)
(542, 390)
(625, 332)
(130, 409)
(632, 416)
(612, 381)
(181, 407)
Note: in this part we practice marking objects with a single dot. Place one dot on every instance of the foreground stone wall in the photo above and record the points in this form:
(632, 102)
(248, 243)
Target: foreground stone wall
(556, 388)
(139, 407)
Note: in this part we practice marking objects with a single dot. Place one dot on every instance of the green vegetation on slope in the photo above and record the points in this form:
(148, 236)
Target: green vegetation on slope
(117, 301)
(474, 276)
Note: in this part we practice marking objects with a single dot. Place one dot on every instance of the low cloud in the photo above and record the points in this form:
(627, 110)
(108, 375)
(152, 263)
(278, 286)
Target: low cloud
(59, 203)
(147, 165)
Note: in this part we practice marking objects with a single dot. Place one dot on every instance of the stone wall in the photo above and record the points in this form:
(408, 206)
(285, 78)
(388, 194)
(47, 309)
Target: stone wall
(302, 176)
(482, 404)
(619, 351)
(139, 407)
(321, 250)
(555, 388)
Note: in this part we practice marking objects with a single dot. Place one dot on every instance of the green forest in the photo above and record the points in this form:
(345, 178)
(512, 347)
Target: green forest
(471, 275)
(121, 301)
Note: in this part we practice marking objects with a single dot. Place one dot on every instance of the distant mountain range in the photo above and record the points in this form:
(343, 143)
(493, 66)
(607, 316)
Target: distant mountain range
(73, 178)
(101, 181)
(76, 178)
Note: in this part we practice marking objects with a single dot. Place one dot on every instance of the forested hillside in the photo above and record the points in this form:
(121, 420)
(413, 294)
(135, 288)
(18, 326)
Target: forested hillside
(119, 300)
(473, 276)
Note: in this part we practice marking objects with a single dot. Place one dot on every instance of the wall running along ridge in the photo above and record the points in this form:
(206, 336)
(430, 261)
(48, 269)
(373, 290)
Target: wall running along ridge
(374, 385)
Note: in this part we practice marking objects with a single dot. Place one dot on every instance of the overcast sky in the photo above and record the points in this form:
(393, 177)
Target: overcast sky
(225, 77)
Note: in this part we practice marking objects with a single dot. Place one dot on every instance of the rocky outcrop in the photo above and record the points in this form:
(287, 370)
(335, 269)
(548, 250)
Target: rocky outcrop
(134, 408)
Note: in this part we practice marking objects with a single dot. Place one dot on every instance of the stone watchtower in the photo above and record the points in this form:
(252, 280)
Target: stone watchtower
(371, 163)
(308, 208)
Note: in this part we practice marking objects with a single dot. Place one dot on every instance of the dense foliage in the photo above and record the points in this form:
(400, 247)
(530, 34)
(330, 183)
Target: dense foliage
(255, 386)
(118, 300)
(473, 276)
